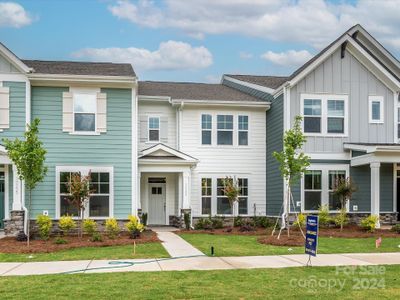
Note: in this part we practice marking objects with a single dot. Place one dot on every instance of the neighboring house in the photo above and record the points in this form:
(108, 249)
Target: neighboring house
(164, 148)
(348, 95)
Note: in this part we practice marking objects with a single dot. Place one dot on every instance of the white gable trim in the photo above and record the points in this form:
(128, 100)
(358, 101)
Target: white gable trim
(168, 150)
(13, 59)
(255, 104)
(250, 85)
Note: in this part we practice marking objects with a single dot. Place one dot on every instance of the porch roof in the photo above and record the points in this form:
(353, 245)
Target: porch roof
(374, 153)
(165, 155)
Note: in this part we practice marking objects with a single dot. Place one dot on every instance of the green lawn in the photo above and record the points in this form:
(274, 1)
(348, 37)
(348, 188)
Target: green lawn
(239, 245)
(227, 284)
(148, 250)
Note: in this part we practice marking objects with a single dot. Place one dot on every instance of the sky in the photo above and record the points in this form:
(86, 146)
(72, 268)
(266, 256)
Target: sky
(191, 40)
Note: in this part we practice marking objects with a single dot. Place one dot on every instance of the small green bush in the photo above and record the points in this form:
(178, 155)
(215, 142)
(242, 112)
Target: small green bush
(186, 219)
(89, 226)
(66, 224)
(341, 218)
(396, 228)
(203, 223)
(60, 241)
(301, 220)
(112, 228)
(96, 237)
(217, 222)
(324, 218)
(261, 221)
(238, 221)
(134, 226)
(44, 223)
(369, 223)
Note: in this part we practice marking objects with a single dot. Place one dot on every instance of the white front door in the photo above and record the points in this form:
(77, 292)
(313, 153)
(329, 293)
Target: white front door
(157, 204)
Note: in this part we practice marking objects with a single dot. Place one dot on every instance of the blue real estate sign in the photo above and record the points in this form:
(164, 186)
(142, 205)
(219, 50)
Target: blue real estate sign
(311, 235)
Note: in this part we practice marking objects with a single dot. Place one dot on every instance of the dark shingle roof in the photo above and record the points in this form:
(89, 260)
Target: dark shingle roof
(80, 68)
(272, 82)
(192, 91)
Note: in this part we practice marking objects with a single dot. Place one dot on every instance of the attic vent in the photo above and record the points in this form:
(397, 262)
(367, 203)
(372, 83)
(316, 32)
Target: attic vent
(343, 50)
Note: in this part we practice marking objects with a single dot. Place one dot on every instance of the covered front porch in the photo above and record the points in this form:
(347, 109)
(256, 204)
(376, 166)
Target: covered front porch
(383, 163)
(165, 185)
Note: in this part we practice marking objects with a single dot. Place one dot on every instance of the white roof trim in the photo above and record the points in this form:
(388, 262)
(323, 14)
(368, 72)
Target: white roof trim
(12, 58)
(257, 104)
(372, 148)
(173, 152)
(82, 78)
(250, 85)
(154, 98)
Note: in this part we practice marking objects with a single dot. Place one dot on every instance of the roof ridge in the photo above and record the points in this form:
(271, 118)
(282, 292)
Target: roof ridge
(74, 61)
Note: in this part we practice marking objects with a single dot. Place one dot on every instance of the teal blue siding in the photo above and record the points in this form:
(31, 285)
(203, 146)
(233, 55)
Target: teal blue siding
(274, 184)
(108, 149)
(386, 190)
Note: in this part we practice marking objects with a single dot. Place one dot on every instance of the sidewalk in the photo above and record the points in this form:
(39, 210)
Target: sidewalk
(197, 263)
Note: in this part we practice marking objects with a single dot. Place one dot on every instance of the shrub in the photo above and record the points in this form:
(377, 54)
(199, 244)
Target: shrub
(203, 223)
(217, 222)
(112, 228)
(238, 221)
(134, 226)
(66, 224)
(396, 228)
(144, 219)
(301, 220)
(96, 237)
(341, 218)
(89, 226)
(186, 219)
(60, 241)
(262, 222)
(369, 223)
(323, 216)
(44, 223)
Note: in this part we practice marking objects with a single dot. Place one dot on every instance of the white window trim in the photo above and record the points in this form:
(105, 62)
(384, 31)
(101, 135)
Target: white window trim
(324, 168)
(324, 113)
(82, 91)
(243, 130)
(85, 170)
(381, 101)
(148, 128)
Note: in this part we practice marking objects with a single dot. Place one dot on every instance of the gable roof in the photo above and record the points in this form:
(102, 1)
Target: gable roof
(168, 155)
(193, 91)
(80, 68)
(272, 82)
(13, 59)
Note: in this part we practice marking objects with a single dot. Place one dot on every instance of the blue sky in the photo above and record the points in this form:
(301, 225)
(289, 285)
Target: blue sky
(190, 40)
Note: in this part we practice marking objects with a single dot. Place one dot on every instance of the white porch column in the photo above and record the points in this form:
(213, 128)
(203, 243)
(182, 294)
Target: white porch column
(375, 189)
(138, 191)
(17, 190)
(186, 190)
(180, 193)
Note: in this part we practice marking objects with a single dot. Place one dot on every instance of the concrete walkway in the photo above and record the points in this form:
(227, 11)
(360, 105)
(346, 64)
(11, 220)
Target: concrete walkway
(174, 244)
(197, 263)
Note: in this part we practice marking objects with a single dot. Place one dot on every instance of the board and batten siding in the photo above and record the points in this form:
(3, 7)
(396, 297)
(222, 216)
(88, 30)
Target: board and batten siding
(346, 76)
(220, 161)
(110, 149)
(17, 121)
(167, 116)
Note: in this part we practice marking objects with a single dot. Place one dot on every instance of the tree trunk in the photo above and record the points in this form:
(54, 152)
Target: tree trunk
(81, 225)
(288, 210)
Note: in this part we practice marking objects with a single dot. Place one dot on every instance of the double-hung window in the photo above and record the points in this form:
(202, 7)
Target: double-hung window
(84, 112)
(99, 203)
(223, 205)
(206, 129)
(334, 177)
(243, 130)
(376, 109)
(335, 116)
(154, 129)
(244, 194)
(225, 130)
(312, 189)
(206, 196)
(312, 115)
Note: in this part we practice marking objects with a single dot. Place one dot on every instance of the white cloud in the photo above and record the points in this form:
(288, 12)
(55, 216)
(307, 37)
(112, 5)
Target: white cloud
(213, 79)
(315, 22)
(245, 55)
(14, 15)
(170, 55)
(291, 58)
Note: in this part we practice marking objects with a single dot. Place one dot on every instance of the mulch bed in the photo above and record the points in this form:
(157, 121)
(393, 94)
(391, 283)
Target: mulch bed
(10, 245)
(228, 231)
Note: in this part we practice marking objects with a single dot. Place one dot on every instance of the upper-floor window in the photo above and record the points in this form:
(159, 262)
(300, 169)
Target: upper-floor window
(206, 129)
(154, 129)
(325, 114)
(243, 130)
(376, 109)
(225, 130)
(84, 112)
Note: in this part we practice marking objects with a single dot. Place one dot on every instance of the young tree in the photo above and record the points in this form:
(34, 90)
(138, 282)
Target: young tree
(29, 157)
(79, 188)
(344, 189)
(293, 163)
(232, 192)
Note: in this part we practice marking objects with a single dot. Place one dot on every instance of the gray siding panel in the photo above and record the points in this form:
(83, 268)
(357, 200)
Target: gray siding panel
(386, 192)
(362, 197)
